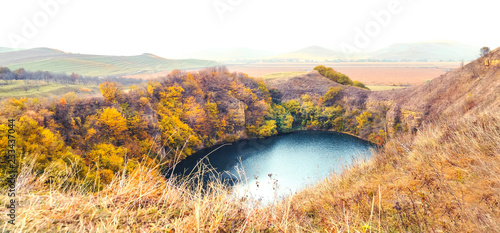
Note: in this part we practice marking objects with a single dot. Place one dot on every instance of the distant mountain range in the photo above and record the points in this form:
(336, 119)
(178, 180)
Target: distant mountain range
(310, 53)
(228, 54)
(430, 51)
(3, 49)
(54, 60)
(423, 51)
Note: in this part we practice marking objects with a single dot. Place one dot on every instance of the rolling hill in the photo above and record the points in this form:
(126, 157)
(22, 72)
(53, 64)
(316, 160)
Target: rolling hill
(422, 51)
(53, 60)
(4, 49)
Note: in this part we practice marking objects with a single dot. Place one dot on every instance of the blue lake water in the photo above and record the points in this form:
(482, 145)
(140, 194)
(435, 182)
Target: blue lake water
(272, 168)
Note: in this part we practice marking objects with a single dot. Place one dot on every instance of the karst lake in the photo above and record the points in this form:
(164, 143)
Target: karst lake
(273, 168)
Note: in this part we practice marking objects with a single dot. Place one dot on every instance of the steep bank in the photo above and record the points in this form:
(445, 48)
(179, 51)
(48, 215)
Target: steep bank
(472, 88)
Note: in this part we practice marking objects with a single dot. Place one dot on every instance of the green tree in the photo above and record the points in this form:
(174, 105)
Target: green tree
(484, 51)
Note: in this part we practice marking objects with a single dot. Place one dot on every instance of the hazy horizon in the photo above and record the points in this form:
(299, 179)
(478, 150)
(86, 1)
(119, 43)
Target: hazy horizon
(178, 29)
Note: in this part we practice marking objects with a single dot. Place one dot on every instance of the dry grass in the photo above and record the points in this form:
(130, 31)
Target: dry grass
(444, 178)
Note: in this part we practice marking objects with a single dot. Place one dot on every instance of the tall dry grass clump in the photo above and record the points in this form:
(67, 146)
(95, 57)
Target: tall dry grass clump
(142, 201)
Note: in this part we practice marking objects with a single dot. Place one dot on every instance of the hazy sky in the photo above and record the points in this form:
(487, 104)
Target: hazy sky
(174, 28)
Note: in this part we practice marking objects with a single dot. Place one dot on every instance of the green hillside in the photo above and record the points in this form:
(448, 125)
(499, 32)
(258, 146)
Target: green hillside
(94, 65)
(18, 89)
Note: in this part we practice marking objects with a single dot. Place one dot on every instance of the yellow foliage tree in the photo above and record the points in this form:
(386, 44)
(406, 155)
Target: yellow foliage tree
(268, 129)
(107, 156)
(178, 135)
(113, 122)
(110, 90)
(34, 141)
(362, 119)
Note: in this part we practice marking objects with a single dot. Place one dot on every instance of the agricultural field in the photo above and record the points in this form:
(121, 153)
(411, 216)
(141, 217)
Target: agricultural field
(369, 73)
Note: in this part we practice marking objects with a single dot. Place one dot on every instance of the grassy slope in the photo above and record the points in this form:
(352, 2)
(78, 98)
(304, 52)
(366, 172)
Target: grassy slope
(16, 89)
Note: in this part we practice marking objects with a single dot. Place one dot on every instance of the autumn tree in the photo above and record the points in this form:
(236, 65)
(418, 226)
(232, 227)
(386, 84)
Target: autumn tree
(329, 114)
(112, 122)
(268, 129)
(62, 101)
(195, 115)
(107, 160)
(38, 144)
(308, 109)
(321, 69)
(170, 101)
(333, 75)
(110, 90)
(364, 121)
(215, 126)
(331, 94)
(287, 125)
(178, 136)
(293, 107)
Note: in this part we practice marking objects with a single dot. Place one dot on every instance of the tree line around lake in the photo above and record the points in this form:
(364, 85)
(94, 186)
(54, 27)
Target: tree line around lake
(165, 121)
